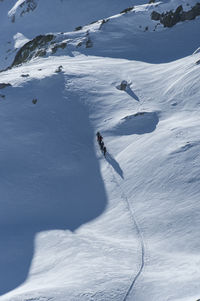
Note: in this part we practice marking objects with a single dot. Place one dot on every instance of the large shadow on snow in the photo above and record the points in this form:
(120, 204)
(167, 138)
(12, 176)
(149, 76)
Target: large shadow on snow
(111, 160)
(50, 178)
(139, 123)
(131, 93)
(154, 47)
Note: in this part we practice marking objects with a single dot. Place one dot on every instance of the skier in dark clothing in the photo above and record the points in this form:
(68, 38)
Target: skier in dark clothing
(101, 145)
(99, 138)
(98, 135)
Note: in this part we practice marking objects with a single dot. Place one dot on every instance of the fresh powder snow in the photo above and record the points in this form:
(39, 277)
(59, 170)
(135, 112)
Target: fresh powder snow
(75, 225)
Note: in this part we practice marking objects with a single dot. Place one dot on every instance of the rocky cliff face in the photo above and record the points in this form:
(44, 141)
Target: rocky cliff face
(171, 18)
(34, 48)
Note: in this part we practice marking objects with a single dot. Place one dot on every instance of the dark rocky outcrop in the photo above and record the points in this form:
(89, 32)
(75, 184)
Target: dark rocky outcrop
(88, 43)
(78, 28)
(61, 45)
(27, 6)
(155, 16)
(79, 44)
(34, 101)
(104, 21)
(126, 10)
(34, 48)
(25, 75)
(171, 18)
(4, 85)
(59, 69)
(123, 85)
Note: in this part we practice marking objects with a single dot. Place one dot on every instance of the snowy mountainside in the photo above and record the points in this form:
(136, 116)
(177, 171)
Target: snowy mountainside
(134, 27)
(32, 18)
(73, 224)
(153, 163)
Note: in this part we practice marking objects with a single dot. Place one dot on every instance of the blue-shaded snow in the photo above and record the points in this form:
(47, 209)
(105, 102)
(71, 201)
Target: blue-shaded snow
(50, 174)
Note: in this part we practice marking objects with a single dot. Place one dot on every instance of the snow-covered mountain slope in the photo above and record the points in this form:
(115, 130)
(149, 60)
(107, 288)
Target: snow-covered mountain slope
(132, 34)
(34, 17)
(51, 157)
(73, 224)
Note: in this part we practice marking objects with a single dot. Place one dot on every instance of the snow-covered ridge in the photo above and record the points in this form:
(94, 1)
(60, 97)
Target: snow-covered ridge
(95, 37)
(22, 7)
(130, 25)
(44, 19)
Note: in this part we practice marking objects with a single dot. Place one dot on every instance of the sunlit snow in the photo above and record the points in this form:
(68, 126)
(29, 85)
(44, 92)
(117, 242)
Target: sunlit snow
(75, 225)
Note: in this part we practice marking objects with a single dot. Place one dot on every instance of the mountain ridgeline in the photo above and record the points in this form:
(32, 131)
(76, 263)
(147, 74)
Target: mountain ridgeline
(88, 36)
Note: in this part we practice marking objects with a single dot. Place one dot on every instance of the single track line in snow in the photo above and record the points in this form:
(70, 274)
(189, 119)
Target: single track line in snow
(132, 213)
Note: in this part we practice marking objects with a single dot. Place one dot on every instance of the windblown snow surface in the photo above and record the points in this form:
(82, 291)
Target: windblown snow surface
(75, 225)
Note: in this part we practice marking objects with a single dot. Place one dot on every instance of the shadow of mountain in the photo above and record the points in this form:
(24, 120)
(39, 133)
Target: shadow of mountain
(140, 123)
(150, 46)
(49, 171)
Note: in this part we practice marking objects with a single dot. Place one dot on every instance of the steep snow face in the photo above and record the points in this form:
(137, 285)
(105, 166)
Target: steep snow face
(150, 176)
(20, 40)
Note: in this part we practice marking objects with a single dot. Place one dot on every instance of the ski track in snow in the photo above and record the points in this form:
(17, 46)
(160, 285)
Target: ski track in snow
(133, 218)
(91, 265)
(132, 215)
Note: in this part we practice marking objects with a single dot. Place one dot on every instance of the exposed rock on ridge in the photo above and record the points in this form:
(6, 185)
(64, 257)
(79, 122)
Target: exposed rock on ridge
(34, 48)
(25, 7)
(171, 18)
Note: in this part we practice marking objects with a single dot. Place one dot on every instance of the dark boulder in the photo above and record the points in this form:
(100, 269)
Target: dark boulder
(123, 85)
(34, 101)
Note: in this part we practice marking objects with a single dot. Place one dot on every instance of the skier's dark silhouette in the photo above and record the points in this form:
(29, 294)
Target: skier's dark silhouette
(102, 145)
(98, 135)
(100, 139)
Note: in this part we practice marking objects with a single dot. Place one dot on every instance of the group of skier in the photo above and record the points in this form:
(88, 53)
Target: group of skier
(101, 143)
